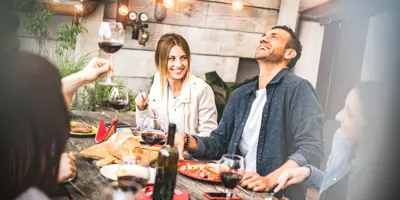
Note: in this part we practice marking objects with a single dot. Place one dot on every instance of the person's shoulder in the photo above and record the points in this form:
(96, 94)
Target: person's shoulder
(296, 83)
(295, 80)
(198, 84)
(32, 193)
(245, 87)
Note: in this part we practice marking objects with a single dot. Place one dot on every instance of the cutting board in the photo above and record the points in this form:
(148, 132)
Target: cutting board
(100, 153)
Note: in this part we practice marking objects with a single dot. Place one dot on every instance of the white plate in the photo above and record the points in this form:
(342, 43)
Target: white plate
(110, 172)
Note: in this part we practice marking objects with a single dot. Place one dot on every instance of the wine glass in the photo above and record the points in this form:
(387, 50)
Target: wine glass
(116, 193)
(151, 131)
(134, 170)
(111, 39)
(231, 168)
(118, 98)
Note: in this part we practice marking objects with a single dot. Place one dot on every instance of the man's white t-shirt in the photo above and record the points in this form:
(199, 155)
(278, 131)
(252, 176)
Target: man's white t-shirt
(249, 140)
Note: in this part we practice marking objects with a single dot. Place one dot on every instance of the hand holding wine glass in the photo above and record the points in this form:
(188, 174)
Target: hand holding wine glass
(231, 168)
(111, 40)
(96, 68)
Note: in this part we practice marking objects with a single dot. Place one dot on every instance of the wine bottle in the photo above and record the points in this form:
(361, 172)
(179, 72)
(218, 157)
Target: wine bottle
(167, 168)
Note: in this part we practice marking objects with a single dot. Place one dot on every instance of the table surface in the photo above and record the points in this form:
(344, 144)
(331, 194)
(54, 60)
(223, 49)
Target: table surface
(92, 183)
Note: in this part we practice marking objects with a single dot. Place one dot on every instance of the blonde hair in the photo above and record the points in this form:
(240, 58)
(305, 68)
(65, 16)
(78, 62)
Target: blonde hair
(164, 46)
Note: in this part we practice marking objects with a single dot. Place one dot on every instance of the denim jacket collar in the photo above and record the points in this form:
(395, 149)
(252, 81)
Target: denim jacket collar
(277, 78)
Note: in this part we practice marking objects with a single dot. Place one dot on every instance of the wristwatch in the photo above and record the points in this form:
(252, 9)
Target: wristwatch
(187, 140)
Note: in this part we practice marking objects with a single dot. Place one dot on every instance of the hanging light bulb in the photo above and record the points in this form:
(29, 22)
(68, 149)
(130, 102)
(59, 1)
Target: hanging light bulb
(169, 3)
(237, 4)
(123, 10)
(78, 7)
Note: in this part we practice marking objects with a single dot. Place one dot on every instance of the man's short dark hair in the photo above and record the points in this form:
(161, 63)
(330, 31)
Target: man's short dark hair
(293, 43)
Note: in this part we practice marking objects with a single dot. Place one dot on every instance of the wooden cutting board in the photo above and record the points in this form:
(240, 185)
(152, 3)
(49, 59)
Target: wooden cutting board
(100, 153)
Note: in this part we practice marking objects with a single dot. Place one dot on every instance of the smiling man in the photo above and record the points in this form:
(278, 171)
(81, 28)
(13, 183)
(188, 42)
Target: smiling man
(274, 122)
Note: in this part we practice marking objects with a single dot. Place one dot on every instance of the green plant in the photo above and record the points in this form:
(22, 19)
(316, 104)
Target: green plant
(68, 64)
(36, 20)
(221, 90)
(67, 37)
(95, 96)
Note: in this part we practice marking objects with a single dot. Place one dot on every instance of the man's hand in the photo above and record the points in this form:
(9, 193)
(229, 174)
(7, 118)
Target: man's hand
(292, 176)
(257, 183)
(180, 143)
(67, 168)
(97, 68)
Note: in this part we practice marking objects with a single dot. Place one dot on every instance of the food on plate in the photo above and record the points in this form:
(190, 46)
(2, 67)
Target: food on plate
(81, 128)
(200, 170)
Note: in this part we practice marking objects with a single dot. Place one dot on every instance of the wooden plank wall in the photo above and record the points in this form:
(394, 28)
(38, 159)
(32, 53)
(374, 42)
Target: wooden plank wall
(217, 35)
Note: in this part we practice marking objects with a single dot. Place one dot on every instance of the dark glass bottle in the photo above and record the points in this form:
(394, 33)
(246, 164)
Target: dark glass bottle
(167, 168)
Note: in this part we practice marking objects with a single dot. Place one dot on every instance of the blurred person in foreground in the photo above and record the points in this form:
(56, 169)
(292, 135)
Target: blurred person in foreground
(96, 68)
(355, 149)
(35, 123)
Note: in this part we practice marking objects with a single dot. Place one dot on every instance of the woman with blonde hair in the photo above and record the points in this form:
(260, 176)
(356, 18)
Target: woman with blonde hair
(176, 95)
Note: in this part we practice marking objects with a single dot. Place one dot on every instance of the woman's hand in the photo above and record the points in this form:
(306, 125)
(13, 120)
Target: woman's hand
(142, 100)
(292, 176)
(67, 168)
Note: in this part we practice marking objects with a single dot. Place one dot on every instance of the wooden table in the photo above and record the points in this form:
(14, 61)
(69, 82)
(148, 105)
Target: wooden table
(92, 183)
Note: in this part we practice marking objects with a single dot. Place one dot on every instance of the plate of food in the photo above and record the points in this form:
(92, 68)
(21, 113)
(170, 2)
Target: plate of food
(79, 128)
(200, 171)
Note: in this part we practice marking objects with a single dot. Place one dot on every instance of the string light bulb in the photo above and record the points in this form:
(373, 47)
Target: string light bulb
(169, 3)
(123, 10)
(78, 7)
(237, 5)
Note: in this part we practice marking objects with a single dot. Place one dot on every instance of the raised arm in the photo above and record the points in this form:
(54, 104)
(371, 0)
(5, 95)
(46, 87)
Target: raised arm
(97, 68)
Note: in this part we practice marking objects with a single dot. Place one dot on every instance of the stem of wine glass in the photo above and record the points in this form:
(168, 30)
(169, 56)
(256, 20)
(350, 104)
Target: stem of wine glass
(228, 193)
(110, 62)
(117, 113)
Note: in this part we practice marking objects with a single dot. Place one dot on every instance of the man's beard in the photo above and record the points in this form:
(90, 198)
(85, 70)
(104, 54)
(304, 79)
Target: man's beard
(273, 57)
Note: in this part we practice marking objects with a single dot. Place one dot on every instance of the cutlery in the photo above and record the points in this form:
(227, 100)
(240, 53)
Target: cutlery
(77, 189)
(245, 191)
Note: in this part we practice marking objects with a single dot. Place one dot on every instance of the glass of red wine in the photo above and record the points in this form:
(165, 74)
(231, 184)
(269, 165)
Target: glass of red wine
(134, 171)
(118, 98)
(151, 131)
(231, 168)
(111, 40)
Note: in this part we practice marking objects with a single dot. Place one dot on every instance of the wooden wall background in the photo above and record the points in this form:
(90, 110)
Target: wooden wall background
(218, 36)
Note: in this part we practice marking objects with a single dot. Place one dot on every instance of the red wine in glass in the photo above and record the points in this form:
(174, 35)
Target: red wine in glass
(111, 38)
(230, 168)
(110, 47)
(230, 179)
(129, 182)
(152, 138)
(118, 105)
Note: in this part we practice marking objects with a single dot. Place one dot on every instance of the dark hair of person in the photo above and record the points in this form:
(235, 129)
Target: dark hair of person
(34, 124)
(293, 43)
